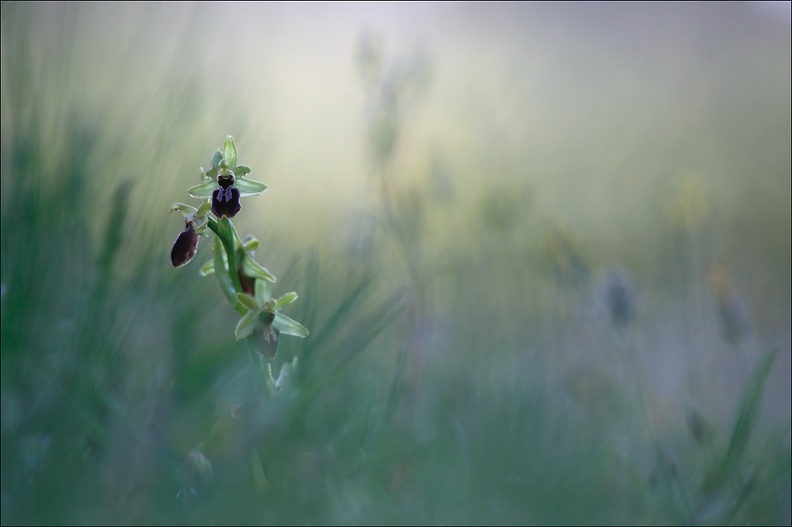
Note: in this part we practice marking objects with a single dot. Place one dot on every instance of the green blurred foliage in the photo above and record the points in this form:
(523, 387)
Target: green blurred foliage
(466, 225)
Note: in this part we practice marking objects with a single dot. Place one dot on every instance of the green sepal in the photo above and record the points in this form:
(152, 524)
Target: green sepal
(207, 268)
(284, 301)
(248, 301)
(246, 325)
(196, 217)
(204, 209)
(204, 190)
(184, 209)
(248, 187)
(252, 269)
(263, 291)
(230, 151)
(288, 326)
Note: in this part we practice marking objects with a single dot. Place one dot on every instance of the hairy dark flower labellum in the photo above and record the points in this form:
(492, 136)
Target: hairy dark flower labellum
(266, 341)
(225, 200)
(184, 247)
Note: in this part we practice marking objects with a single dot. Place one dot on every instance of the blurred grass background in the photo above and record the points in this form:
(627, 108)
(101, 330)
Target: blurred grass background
(543, 250)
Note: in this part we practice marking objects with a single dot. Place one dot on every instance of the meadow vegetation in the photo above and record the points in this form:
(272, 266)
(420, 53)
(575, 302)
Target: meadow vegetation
(544, 261)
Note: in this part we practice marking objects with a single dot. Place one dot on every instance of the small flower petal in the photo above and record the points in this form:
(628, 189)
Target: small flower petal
(242, 170)
(250, 243)
(216, 158)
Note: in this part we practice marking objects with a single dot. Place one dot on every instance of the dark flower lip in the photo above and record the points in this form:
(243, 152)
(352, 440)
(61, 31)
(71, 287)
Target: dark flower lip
(225, 201)
(185, 246)
(266, 341)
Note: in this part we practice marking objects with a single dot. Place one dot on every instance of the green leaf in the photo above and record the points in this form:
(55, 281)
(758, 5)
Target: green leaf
(287, 326)
(225, 231)
(248, 187)
(227, 235)
(246, 325)
(242, 170)
(207, 268)
(248, 301)
(204, 190)
(254, 270)
(285, 300)
(230, 151)
(223, 277)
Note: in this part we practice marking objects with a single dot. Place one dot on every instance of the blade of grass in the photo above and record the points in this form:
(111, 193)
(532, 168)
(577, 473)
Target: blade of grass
(343, 311)
(361, 335)
(747, 414)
